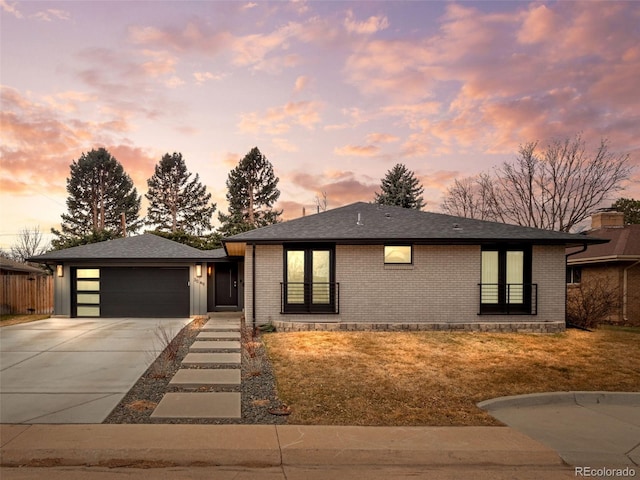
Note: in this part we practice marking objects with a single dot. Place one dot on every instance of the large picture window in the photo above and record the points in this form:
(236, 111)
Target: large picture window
(505, 281)
(309, 284)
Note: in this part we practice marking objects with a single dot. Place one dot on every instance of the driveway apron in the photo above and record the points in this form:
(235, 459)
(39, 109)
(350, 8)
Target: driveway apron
(74, 370)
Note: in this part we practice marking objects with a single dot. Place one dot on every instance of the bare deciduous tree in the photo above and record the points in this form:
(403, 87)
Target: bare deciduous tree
(554, 189)
(30, 244)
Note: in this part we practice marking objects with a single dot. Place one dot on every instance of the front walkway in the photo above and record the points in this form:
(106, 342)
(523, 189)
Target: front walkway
(213, 363)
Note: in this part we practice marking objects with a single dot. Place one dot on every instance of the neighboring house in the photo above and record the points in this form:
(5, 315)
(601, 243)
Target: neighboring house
(367, 266)
(615, 265)
(143, 276)
(11, 267)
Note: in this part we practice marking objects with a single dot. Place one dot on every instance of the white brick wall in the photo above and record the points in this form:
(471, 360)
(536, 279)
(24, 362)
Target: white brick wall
(440, 287)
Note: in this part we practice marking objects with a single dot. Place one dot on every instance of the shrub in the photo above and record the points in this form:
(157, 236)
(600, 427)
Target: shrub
(591, 303)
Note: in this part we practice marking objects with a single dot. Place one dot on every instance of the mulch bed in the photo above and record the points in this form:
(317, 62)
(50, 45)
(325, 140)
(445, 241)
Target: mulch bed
(260, 403)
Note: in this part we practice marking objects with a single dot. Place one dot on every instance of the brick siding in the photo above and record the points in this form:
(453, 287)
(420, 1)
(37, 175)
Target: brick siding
(439, 289)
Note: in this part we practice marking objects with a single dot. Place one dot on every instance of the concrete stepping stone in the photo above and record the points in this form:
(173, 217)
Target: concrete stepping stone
(218, 336)
(199, 405)
(212, 345)
(200, 359)
(196, 377)
(212, 325)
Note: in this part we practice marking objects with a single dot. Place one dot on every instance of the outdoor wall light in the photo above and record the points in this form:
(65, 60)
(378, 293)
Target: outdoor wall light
(209, 271)
(198, 269)
(60, 270)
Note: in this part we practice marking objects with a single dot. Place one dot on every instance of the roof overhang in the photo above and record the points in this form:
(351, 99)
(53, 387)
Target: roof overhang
(235, 249)
(603, 259)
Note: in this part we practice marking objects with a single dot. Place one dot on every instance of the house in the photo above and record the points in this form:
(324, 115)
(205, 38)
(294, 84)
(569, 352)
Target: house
(615, 264)
(361, 266)
(11, 267)
(143, 276)
(367, 266)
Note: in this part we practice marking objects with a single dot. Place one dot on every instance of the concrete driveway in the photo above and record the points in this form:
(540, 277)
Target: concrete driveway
(74, 370)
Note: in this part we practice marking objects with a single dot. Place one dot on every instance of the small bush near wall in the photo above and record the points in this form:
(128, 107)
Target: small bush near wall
(591, 303)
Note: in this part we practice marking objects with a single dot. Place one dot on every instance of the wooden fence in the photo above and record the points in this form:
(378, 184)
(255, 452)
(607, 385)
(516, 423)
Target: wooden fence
(25, 294)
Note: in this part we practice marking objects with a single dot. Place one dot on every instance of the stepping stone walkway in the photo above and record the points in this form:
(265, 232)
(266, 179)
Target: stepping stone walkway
(214, 366)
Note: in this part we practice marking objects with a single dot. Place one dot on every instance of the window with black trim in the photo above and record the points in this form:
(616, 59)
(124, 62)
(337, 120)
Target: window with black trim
(505, 284)
(309, 279)
(398, 254)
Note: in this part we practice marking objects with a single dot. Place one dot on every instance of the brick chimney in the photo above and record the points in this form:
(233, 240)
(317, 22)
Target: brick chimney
(607, 220)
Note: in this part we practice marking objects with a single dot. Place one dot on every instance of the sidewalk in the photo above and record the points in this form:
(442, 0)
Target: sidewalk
(267, 446)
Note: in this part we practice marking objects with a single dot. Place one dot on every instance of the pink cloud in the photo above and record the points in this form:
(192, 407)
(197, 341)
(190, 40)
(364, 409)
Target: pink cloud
(381, 138)
(279, 120)
(341, 187)
(357, 150)
(367, 27)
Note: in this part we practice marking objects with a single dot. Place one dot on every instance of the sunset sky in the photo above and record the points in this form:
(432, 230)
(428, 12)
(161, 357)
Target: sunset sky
(333, 93)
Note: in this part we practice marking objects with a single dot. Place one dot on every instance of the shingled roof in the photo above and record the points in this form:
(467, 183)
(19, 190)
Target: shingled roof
(371, 223)
(624, 244)
(145, 247)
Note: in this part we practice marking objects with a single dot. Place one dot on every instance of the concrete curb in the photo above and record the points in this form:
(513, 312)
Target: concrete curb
(561, 398)
(266, 445)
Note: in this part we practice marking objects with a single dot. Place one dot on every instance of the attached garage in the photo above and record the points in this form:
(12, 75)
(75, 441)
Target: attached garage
(142, 276)
(131, 292)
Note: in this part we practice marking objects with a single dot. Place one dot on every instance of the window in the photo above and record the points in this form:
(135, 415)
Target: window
(309, 279)
(87, 286)
(505, 286)
(395, 254)
(574, 274)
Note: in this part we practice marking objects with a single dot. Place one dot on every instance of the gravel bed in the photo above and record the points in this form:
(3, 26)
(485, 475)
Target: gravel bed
(260, 403)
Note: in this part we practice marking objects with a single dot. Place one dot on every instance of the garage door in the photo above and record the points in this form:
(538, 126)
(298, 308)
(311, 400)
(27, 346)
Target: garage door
(142, 292)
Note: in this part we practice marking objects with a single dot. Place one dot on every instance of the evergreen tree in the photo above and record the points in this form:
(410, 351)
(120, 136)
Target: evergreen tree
(177, 203)
(100, 193)
(400, 188)
(252, 189)
(630, 208)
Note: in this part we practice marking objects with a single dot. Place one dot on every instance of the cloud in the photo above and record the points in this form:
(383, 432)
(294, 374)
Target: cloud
(52, 14)
(39, 140)
(279, 120)
(203, 77)
(381, 138)
(249, 6)
(372, 25)
(342, 187)
(284, 144)
(11, 8)
(301, 83)
(357, 150)
(505, 78)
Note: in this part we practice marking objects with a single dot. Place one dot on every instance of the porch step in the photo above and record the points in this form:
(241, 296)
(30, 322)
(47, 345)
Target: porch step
(207, 359)
(213, 345)
(199, 405)
(218, 336)
(214, 326)
(196, 377)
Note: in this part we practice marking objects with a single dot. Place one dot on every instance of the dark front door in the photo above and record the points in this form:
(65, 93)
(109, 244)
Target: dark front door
(226, 285)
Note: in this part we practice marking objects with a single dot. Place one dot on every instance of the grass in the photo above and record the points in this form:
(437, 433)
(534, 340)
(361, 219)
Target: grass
(7, 320)
(436, 378)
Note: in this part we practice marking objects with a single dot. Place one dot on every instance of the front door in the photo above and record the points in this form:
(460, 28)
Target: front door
(226, 285)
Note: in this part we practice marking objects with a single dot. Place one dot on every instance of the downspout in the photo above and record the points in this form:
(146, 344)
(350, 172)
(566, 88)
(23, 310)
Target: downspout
(566, 287)
(253, 285)
(625, 290)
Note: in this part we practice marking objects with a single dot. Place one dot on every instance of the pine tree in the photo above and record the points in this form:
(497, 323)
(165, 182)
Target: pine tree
(631, 209)
(177, 203)
(400, 188)
(252, 189)
(100, 193)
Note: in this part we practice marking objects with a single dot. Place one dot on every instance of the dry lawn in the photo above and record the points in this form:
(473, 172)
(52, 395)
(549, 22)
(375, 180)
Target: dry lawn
(436, 378)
